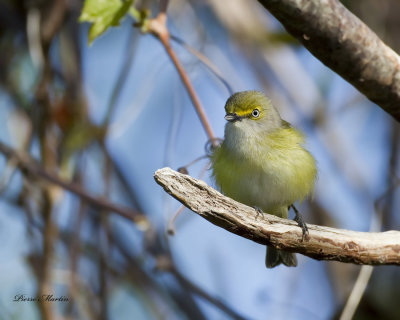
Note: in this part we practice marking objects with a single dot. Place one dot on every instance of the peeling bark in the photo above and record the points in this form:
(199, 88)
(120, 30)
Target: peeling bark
(322, 243)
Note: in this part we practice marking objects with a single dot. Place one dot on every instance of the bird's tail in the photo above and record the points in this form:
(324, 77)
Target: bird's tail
(275, 257)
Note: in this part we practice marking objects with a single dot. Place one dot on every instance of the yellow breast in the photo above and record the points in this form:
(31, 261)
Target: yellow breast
(270, 171)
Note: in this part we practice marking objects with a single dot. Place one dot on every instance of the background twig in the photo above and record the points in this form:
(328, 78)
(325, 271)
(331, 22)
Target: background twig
(28, 164)
(158, 26)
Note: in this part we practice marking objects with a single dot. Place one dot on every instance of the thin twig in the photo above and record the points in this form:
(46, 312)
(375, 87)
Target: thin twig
(184, 168)
(121, 177)
(158, 27)
(163, 5)
(104, 242)
(25, 162)
(122, 76)
(143, 280)
(50, 231)
(165, 263)
(8, 174)
(53, 20)
(204, 295)
(171, 222)
(75, 252)
(357, 292)
(366, 271)
(204, 60)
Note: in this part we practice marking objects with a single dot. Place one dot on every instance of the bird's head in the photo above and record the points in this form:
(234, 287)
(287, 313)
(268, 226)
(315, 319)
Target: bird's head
(252, 110)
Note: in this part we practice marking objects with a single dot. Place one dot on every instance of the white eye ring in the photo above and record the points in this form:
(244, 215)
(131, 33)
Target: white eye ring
(255, 113)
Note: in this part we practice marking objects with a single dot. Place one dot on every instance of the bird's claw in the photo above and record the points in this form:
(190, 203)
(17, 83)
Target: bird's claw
(302, 225)
(300, 222)
(258, 210)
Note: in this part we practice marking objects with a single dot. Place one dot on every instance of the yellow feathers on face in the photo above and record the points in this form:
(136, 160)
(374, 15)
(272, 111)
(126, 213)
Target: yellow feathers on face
(262, 162)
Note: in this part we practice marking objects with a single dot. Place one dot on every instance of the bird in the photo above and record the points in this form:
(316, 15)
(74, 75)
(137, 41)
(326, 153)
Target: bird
(262, 163)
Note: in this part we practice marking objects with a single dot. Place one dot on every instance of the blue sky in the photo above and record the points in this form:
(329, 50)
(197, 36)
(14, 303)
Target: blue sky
(155, 125)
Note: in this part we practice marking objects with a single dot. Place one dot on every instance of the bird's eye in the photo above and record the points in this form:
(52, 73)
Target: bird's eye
(255, 113)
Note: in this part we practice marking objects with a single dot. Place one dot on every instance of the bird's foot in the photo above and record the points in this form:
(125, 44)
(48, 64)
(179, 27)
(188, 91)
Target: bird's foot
(299, 219)
(259, 211)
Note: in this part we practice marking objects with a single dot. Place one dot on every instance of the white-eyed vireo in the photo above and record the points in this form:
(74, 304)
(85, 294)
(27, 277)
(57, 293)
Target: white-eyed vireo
(262, 162)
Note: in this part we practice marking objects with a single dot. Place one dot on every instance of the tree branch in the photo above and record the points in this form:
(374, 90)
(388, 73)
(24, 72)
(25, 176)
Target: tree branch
(346, 45)
(158, 27)
(28, 164)
(322, 243)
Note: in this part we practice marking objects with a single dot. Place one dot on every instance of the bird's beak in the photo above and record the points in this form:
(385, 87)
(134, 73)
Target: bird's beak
(232, 117)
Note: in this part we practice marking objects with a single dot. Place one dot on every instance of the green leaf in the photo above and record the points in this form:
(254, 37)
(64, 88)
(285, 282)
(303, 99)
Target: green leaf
(103, 14)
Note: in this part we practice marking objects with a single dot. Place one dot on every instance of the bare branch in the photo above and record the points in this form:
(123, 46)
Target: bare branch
(323, 243)
(204, 60)
(357, 293)
(28, 164)
(346, 45)
(198, 291)
(158, 27)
